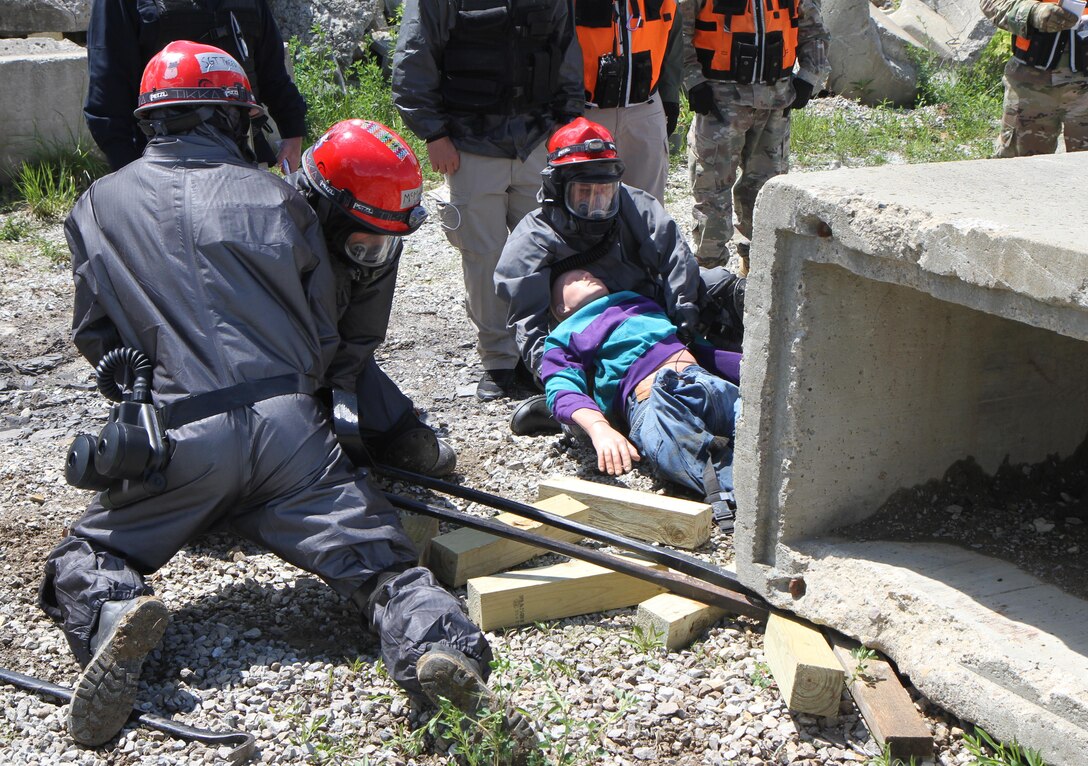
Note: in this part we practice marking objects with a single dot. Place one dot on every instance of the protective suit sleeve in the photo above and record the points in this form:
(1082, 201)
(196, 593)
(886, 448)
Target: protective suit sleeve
(668, 84)
(363, 325)
(520, 281)
(318, 281)
(93, 333)
(669, 255)
(812, 41)
(424, 31)
(278, 92)
(113, 79)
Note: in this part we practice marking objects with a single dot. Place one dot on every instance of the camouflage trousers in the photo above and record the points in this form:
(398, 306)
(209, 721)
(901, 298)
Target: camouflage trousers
(754, 141)
(1038, 106)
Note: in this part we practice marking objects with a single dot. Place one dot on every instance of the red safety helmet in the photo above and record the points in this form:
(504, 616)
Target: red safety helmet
(582, 142)
(194, 74)
(369, 173)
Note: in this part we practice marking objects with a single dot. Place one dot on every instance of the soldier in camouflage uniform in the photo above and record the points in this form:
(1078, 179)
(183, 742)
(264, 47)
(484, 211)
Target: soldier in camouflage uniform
(740, 78)
(1046, 88)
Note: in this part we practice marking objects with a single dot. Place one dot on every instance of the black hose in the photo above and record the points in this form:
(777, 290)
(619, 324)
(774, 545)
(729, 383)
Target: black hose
(689, 565)
(675, 582)
(242, 742)
(124, 368)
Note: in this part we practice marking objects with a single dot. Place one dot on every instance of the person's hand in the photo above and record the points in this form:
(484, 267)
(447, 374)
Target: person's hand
(443, 155)
(803, 90)
(672, 116)
(701, 98)
(291, 153)
(615, 454)
(1051, 17)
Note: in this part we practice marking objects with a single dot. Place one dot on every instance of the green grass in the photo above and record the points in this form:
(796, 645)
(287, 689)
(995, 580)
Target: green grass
(333, 94)
(956, 118)
(53, 179)
(989, 752)
(14, 229)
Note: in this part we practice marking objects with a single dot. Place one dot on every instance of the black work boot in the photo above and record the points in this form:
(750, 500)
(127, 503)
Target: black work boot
(421, 451)
(532, 416)
(496, 384)
(106, 690)
(449, 674)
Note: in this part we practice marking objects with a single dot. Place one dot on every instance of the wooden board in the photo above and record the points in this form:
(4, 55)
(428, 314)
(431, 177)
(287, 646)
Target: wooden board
(642, 515)
(553, 592)
(421, 530)
(678, 620)
(884, 703)
(807, 671)
(464, 553)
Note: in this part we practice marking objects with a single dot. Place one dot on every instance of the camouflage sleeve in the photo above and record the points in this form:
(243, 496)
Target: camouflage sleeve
(812, 40)
(692, 71)
(1011, 15)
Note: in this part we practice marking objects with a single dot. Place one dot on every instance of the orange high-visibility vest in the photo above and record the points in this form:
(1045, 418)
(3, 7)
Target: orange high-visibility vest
(746, 42)
(1045, 49)
(623, 46)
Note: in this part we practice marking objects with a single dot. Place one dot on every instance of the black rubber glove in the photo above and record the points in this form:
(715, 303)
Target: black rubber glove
(687, 323)
(701, 98)
(672, 116)
(803, 89)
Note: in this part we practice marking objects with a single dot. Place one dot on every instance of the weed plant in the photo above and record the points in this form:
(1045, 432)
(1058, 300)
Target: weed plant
(54, 178)
(989, 752)
(14, 229)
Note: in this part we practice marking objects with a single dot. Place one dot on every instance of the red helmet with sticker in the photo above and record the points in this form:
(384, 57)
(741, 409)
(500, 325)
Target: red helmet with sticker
(370, 173)
(185, 73)
(581, 141)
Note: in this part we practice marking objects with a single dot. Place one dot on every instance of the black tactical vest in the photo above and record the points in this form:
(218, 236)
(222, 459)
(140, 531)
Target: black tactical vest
(502, 57)
(1048, 50)
(204, 21)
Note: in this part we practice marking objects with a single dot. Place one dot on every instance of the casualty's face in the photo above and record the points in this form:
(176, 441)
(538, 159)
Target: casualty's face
(574, 289)
(592, 200)
(370, 249)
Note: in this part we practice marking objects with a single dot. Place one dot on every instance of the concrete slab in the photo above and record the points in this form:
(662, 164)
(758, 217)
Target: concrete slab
(899, 319)
(48, 80)
(25, 16)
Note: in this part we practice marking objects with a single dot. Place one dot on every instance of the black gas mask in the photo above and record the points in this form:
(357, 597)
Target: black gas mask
(582, 201)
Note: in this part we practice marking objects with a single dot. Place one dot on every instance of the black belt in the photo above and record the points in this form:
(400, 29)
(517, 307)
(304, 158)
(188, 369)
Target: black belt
(200, 406)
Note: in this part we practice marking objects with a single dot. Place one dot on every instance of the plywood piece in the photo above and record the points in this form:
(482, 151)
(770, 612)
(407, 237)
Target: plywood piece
(464, 553)
(553, 592)
(642, 515)
(807, 671)
(420, 530)
(885, 705)
(677, 620)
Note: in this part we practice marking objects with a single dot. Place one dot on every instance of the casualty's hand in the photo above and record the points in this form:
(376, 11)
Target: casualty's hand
(1051, 17)
(291, 151)
(443, 155)
(615, 455)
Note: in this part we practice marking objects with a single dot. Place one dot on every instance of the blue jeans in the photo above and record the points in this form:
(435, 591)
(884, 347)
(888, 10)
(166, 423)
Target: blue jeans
(686, 423)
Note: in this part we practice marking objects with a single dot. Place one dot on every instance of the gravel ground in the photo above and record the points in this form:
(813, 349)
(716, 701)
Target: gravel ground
(258, 645)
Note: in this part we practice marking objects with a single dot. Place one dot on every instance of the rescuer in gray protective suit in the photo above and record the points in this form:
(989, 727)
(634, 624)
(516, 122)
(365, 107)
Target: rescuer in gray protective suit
(216, 272)
(588, 217)
(635, 243)
(365, 184)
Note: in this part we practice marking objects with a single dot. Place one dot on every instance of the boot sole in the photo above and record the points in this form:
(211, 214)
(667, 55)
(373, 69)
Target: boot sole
(445, 675)
(104, 695)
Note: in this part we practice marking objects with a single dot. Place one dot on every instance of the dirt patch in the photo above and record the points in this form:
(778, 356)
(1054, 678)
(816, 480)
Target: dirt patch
(1033, 516)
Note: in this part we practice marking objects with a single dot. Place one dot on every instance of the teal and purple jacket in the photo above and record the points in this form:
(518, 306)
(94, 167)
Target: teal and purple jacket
(596, 357)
